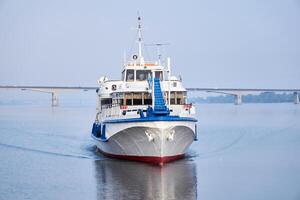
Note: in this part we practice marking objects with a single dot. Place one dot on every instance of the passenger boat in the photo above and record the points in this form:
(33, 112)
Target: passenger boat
(145, 115)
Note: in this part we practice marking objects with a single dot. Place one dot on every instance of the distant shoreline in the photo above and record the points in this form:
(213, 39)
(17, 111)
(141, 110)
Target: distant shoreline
(266, 97)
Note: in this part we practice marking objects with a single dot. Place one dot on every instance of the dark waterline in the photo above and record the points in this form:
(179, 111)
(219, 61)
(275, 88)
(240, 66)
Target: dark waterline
(244, 152)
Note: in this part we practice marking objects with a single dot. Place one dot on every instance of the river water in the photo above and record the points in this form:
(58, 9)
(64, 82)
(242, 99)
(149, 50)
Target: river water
(250, 151)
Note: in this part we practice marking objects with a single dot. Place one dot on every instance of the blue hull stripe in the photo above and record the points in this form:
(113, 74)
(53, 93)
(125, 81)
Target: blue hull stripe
(150, 119)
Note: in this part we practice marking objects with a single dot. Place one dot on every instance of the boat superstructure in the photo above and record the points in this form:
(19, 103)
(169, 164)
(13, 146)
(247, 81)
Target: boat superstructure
(145, 115)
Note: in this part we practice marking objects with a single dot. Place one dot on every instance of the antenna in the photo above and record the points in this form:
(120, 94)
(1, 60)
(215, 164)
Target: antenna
(158, 46)
(139, 28)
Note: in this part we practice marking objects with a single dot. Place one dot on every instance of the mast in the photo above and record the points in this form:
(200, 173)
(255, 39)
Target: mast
(139, 28)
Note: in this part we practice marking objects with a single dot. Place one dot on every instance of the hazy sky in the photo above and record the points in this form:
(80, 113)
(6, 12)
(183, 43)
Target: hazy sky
(214, 43)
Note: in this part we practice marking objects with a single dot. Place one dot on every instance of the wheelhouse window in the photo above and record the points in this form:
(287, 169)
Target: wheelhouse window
(129, 75)
(143, 75)
(159, 74)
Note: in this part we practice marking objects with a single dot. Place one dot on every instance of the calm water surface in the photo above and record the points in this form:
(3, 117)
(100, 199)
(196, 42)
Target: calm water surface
(250, 151)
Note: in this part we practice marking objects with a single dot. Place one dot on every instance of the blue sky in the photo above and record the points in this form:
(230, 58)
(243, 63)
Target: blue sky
(214, 43)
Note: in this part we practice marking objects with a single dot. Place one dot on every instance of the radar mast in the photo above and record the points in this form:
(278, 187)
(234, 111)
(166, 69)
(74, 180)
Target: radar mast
(140, 41)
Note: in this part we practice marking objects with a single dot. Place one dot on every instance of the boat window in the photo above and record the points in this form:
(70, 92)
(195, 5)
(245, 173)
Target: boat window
(172, 100)
(159, 74)
(117, 101)
(184, 97)
(142, 75)
(130, 75)
(106, 101)
(147, 99)
(128, 99)
(179, 98)
(137, 98)
(117, 98)
(128, 102)
(117, 95)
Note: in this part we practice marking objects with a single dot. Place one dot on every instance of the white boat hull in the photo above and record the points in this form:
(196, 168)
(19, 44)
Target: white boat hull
(156, 142)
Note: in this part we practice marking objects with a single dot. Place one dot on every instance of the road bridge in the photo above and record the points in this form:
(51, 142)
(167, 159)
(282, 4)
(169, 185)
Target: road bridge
(239, 92)
(53, 90)
(236, 92)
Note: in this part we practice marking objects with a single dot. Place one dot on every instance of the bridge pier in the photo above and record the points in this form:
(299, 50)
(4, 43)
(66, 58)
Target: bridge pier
(296, 98)
(55, 101)
(54, 94)
(238, 99)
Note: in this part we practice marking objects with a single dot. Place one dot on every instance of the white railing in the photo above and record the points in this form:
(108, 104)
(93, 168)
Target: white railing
(112, 111)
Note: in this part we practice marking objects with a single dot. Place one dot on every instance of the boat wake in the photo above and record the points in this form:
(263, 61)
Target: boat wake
(89, 148)
(193, 154)
(223, 148)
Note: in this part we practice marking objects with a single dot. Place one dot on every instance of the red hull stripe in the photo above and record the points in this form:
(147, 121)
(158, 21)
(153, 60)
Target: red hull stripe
(148, 159)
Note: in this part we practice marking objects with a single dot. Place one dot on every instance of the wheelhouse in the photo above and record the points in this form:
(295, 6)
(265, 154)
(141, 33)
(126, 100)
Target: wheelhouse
(138, 75)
